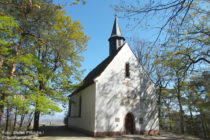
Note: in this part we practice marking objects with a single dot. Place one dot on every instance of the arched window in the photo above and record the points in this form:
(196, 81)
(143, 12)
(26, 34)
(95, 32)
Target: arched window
(127, 70)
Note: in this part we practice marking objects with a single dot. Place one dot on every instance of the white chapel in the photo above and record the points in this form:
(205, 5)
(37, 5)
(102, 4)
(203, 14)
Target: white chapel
(116, 97)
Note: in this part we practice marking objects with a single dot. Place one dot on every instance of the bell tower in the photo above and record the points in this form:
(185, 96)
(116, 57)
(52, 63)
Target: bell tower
(116, 40)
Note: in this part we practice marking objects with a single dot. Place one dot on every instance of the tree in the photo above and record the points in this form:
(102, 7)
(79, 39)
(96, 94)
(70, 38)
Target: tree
(147, 56)
(18, 56)
(194, 35)
(165, 12)
(8, 37)
(59, 61)
(200, 86)
(45, 57)
(180, 49)
(177, 67)
(188, 18)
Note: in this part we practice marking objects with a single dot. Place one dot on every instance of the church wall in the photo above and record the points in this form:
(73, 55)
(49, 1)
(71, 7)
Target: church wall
(117, 95)
(86, 120)
(75, 107)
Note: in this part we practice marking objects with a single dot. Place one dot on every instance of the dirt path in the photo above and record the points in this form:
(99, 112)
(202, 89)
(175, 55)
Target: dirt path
(63, 133)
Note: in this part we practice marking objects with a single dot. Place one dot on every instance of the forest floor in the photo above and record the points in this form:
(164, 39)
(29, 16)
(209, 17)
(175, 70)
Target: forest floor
(63, 133)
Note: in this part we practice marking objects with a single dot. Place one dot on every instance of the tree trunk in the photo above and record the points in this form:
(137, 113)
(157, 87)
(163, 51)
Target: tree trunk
(14, 65)
(159, 106)
(203, 126)
(29, 121)
(191, 120)
(15, 119)
(2, 97)
(169, 117)
(36, 120)
(37, 112)
(170, 123)
(21, 121)
(181, 112)
(7, 120)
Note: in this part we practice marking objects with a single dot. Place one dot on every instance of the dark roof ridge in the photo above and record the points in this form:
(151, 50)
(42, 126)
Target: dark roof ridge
(89, 79)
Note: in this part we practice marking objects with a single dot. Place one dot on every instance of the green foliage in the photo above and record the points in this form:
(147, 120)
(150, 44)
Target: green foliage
(39, 55)
(45, 105)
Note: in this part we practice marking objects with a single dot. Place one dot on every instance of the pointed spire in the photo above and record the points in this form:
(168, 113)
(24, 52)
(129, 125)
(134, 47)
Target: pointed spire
(116, 40)
(116, 28)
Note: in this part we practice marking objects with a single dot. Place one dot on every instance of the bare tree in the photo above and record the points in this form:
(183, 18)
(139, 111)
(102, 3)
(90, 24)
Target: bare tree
(147, 54)
(190, 17)
(164, 12)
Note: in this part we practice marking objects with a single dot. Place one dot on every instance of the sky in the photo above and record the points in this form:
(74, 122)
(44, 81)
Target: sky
(97, 18)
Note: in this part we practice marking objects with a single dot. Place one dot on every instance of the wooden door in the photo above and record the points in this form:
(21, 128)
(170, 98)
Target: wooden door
(129, 124)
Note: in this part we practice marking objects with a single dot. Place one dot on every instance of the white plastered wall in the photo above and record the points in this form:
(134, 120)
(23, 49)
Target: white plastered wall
(117, 95)
(87, 119)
